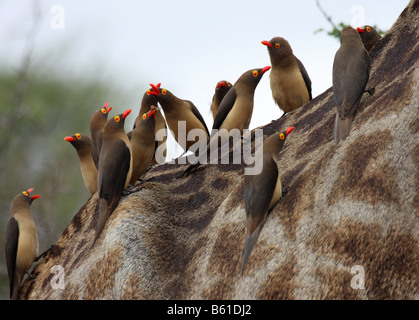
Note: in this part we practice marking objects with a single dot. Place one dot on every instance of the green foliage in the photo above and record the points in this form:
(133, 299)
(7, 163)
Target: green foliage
(336, 30)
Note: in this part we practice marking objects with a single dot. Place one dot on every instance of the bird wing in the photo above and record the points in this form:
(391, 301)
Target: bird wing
(225, 106)
(306, 78)
(113, 171)
(259, 190)
(197, 114)
(350, 76)
(12, 239)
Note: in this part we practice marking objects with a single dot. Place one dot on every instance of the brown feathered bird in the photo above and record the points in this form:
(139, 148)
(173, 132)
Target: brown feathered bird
(262, 191)
(97, 123)
(142, 144)
(290, 83)
(351, 69)
(160, 128)
(177, 110)
(21, 240)
(115, 168)
(369, 36)
(81, 143)
(221, 90)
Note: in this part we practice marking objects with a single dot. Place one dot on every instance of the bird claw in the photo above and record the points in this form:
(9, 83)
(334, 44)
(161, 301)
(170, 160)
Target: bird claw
(370, 91)
(285, 191)
(44, 253)
(130, 190)
(30, 275)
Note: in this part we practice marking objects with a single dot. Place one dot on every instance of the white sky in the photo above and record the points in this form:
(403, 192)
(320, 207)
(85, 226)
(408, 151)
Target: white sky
(188, 46)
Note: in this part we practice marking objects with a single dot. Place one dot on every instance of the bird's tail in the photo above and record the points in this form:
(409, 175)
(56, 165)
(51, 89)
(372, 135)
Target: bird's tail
(104, 213)
(14, 287)
(342, 128)
(248, 246)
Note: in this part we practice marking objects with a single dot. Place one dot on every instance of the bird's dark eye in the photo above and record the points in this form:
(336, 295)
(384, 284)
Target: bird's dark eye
(78, 136)
(281, 136)
(104, 111)
(163, 92)
(277, 45)
(144, 116)
(255, 73)
(116, 118)
(368, 29)
(25, 193)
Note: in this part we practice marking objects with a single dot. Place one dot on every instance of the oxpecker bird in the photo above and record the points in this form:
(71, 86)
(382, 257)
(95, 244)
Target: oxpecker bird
(115, 167)
(290, 83)
(160, 128)
(369, 36)
(236, 108)
(262, 191)
(82, 144)
(176, 110)
(351, 71)
(235, 111)
(142, 144)
(21, 240)
(97, 123)
(221, 90)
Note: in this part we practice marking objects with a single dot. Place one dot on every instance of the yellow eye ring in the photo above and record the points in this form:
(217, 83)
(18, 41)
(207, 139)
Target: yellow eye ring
(25, 193)
(148, 92)
(116, 118)
(104, 111)
(281, 136)
(255, 73)
(144, 116)
(163, 91)
(277, 45)
(78, 135)
(368, 29)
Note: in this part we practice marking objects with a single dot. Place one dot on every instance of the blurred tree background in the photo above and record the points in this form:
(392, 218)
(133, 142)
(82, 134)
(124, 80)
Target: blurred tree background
(39, 106)
(37, 112)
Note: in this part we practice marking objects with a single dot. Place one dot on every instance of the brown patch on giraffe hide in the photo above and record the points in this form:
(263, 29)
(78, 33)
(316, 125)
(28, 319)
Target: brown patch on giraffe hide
(133, 289)
(220, 290)
(311, 117)
(390, 258)
(194, 202)
(299, 198)
(415, 156)
(103, 273)
(318, 136)
(280, 285)
(414, 125)
(398, 58)
(172, 251)
(261, 253)
(226, 252)
(386, 97)
(362, 177)
(237, 196)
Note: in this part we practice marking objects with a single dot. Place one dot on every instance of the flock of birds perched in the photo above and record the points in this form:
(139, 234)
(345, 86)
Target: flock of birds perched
(111, 160)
